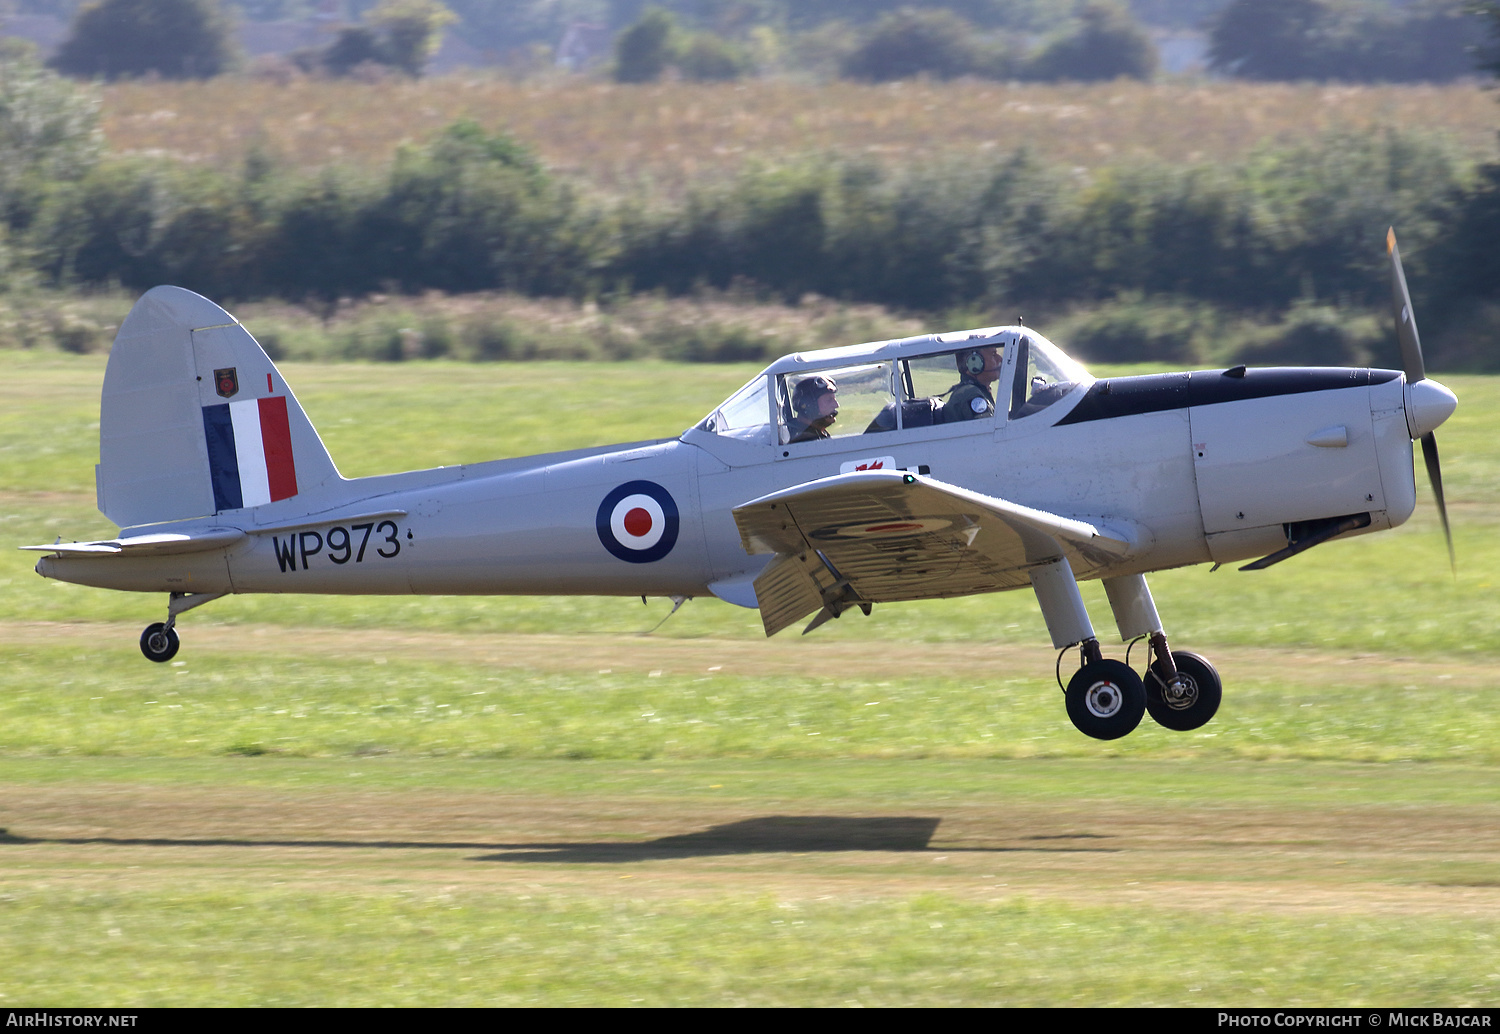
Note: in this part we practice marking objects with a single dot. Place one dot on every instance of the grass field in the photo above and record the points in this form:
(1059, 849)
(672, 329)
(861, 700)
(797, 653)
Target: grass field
(509, 801)
(664, 136)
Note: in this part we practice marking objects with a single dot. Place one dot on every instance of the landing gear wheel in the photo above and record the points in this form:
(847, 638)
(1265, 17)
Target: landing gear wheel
(1192, 700)
(1106, 700)
(159, 643)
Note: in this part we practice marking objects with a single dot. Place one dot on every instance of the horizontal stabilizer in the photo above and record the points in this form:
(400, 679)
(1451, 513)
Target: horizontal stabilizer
(147, 545)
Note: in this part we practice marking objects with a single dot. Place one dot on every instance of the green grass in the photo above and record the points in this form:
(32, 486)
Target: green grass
(251, 947)
(861, 785)
(1358, 690)
(1386, 592)
(436, 918)
(292, 700)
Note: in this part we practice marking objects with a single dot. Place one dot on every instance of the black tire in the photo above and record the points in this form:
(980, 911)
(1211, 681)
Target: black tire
(1106, 700)
(159, 643)
(1195, 702)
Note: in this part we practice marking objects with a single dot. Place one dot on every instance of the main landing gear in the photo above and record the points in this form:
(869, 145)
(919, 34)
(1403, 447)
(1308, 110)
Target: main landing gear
(159, 642)
(1105, 698)
(1187, 701)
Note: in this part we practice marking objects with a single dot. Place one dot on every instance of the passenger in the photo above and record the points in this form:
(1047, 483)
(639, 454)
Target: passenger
(973, 396)
(815, 406)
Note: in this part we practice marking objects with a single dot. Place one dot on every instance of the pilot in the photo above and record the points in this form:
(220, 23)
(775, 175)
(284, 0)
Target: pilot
(973, 396)
(815, 406)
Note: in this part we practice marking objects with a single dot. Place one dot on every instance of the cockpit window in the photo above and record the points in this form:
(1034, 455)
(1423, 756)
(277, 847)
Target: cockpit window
(834, 403)
(746, 415)
(951, 387)
(1043, 375)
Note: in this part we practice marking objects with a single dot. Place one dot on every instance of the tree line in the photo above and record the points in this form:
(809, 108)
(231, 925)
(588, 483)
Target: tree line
(873, 40)
(1292, 226)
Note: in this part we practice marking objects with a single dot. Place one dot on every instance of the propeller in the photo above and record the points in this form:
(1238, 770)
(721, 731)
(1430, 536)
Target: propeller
(1428, 403)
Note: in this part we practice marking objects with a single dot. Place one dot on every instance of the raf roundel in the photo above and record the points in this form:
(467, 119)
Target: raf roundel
(637, 522)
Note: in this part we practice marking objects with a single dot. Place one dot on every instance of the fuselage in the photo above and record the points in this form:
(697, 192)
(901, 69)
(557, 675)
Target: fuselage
(1204, 466)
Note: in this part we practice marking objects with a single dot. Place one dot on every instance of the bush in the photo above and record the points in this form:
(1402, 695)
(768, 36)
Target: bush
(1136, 330)
(1108, 44)
(709, 58)
(412, 31)
(139, 223)
(175, 39)
(400, 34)
(643, 50)
(1319, 335)
(1433, 40)
(352, 46)
(1264, 39)
(309, 247)
(909, 43)
(1464, 337)
(49, 133)
(474, 212)
(1488, 53)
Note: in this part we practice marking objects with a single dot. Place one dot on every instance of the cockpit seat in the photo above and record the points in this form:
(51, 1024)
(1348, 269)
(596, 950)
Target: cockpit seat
(924, 412)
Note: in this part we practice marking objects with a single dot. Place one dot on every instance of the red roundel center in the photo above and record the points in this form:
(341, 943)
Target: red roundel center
(638, 522)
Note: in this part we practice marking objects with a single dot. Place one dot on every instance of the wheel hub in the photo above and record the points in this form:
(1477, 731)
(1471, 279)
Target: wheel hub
(1104, 699)
(1181, 693)
(158, 642)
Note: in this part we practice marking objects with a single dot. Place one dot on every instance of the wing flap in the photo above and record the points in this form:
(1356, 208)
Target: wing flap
(787, 592)
(884, 536)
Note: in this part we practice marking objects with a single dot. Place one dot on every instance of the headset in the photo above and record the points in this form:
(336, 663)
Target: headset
(972, 361)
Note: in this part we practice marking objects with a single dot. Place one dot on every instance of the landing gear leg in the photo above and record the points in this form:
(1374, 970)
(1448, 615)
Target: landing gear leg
(1182, 689)
(159, 642)
(1105, 698)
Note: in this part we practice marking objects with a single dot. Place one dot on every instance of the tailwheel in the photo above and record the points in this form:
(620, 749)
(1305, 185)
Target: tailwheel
(1106, 699)
(1188, 701)
(159, 642)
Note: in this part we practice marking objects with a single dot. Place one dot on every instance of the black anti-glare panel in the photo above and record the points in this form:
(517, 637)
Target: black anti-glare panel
(1156, 393)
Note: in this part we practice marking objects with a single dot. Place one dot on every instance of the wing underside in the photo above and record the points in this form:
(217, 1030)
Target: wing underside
(883, 536)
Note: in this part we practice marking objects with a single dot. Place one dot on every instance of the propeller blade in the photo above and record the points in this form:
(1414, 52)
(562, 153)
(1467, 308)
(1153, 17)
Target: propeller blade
(1435, 475)
(1406, 320)
(1416, 370)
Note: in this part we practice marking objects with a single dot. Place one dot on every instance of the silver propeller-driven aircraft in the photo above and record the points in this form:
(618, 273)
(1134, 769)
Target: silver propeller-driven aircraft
(933, 466)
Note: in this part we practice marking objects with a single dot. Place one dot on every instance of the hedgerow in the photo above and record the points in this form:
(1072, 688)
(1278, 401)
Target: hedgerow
(1296, 229)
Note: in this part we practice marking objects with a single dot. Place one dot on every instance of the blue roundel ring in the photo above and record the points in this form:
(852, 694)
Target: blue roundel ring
(638, 522)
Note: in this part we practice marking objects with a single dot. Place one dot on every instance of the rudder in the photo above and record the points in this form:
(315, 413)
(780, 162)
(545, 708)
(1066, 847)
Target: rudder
(196, 420)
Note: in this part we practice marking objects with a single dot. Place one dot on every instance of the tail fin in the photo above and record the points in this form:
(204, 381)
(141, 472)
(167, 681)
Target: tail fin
(196, 420)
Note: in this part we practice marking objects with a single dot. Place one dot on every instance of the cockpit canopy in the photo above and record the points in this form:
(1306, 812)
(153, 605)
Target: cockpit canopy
(1000, 373)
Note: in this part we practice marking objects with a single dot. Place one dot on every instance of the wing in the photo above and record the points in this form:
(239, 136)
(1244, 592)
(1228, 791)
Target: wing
(881, 536)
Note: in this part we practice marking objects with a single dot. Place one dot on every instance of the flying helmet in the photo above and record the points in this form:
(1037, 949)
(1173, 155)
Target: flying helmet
(807, 392)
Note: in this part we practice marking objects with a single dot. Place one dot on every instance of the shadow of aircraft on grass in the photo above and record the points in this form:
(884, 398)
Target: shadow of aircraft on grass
(784, 834)
(789, 834)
